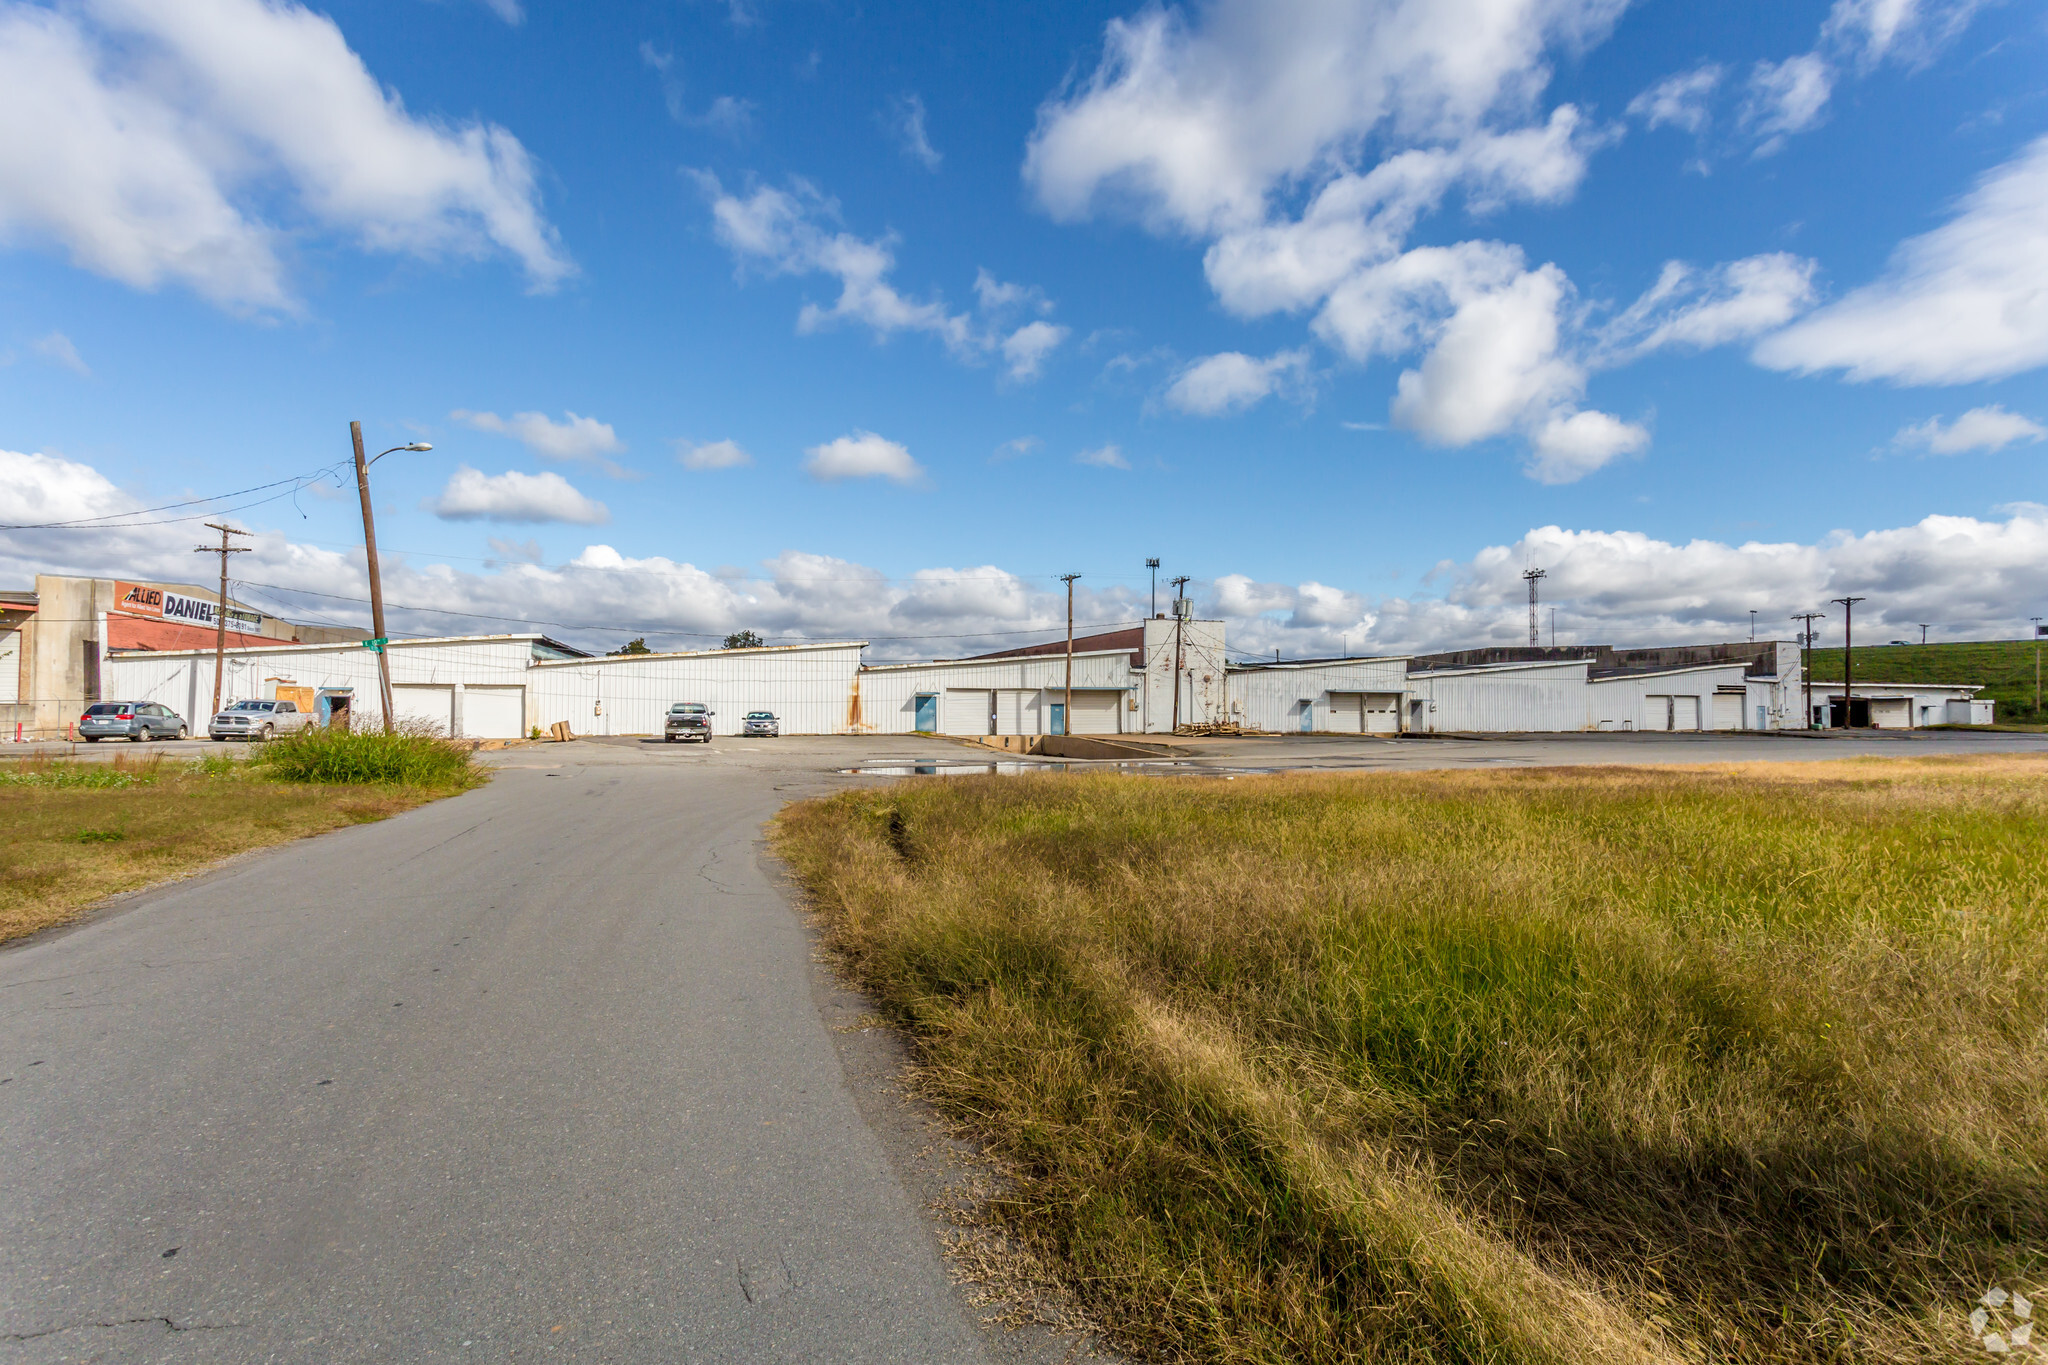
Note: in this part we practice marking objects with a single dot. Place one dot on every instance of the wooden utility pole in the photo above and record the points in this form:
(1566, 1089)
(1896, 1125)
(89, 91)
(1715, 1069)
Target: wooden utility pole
(1806, 659)
(220, 612)
(1067, 707)
(2037, 666)
(383, 644)
(1848, 661)
(1180, 597)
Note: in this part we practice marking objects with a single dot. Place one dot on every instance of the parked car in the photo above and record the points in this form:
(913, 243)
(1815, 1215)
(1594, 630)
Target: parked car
(761, 723)
(258, 720)
(132, 720)
(687, 720)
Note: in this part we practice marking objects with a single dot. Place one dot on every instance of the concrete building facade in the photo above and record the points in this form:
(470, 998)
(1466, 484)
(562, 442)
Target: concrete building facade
(55, 642)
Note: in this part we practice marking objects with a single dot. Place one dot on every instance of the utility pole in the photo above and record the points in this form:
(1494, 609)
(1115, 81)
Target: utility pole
(1848, 661)
(1153, 565)
(1806, 659)
(1553, 627)
(2037, 665)
(220, 612)
(382, 643)
(1180, 616)
(1752, 625)
(1533, 575)
(1067, 707)
(1923, 630)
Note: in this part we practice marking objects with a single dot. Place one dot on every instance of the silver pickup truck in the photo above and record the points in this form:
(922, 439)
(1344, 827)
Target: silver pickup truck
(687, 720)
(258, 720)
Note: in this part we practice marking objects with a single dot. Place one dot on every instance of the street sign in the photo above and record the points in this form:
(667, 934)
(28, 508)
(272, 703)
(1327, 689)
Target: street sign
(376, 646)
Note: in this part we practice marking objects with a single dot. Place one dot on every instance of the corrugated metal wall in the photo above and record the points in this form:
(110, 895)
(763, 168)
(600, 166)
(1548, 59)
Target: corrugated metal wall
(808, 687)
(1022, 687)
(1270, 697)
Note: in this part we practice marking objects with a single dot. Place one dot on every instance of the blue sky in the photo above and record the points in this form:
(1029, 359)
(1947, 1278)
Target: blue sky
(835, 320)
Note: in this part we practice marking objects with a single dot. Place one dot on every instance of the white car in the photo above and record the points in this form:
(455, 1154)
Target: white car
(258, 720)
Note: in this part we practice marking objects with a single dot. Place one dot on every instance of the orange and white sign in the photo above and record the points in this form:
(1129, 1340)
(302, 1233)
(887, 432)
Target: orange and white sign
(141, 599)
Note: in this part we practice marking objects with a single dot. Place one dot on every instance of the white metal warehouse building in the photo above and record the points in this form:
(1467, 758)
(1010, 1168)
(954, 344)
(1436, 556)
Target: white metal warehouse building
(1142, 680)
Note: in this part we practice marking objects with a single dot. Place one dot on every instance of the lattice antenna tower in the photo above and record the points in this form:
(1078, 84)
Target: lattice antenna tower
(1534, 576)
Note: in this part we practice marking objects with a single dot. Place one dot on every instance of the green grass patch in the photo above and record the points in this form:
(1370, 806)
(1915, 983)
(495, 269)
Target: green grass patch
(358, 757)
(2004, 668)
(76, 833)
(1621, 1064)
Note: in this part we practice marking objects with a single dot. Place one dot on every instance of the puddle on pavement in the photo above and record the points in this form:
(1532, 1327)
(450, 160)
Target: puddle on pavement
(1012, 768)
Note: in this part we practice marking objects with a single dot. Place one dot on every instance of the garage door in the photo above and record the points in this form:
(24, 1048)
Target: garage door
(1383, 713)
(1685, 713)
(1728, 710)
(493, 712)
(430, 708)
(1347, 710)
(967, 711)
(1095, 713)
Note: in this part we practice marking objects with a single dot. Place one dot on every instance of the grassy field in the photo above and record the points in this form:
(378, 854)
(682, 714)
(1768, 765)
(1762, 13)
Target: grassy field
(2004, 667)
(77, 833)
(1744, 1064)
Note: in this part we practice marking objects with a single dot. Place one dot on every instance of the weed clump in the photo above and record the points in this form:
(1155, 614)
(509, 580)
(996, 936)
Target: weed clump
(366, 757)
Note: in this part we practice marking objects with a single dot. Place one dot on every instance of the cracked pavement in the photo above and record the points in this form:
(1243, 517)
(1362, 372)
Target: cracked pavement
(540, 1072)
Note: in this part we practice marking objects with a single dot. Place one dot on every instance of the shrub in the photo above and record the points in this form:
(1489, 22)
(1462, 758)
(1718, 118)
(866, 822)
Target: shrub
(403, 758)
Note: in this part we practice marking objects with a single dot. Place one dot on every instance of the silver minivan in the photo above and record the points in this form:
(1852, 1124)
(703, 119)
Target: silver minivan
(133, 720)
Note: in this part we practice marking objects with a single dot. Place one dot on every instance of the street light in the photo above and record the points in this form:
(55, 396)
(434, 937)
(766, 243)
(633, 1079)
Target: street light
(381, 642)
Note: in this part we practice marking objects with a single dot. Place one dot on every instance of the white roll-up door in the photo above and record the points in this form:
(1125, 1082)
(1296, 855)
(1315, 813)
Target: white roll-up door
(967, 711)
(493, 712)
(1685, 713)
(1347, 713)
(430, 707)
(1728, 710)
(1095, 713)
(10, 666)
(1383, 713)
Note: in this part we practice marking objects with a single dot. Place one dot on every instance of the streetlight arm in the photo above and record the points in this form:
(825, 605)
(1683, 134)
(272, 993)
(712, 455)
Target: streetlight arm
(414, 445)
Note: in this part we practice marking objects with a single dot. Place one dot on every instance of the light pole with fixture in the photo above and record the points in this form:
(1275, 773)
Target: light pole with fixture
(381, 643)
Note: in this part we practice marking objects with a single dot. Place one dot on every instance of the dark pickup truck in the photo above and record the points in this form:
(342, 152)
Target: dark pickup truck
(687, 720)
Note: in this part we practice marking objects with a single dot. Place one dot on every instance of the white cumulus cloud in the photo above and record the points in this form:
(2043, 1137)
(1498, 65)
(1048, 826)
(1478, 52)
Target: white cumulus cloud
(1109, 456)
(1973, 577)
(1986, 428)
(1786, 97)
(907, 120)
(1025, 350)
(472, 495)
(1965, 302)
(1695, 309)
(1680, 101)
(143, 139)
(711, 455)
(786, 232)
(58, 350)
(1566, 448)
(576, 438)
(1233, 381)
(862, 455)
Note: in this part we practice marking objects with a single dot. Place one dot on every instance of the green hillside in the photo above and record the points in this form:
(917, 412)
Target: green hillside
(2004, 667)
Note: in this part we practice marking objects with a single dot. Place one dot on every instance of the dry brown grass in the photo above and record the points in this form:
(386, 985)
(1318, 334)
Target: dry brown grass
(77, 833)
(1735, 1063)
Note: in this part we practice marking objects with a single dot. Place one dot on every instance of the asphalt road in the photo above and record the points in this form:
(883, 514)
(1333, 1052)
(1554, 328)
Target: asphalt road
(546, 1071)
(538, 1072)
